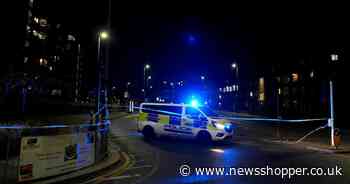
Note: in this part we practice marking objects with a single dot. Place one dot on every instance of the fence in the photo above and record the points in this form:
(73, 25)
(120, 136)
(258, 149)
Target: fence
(32, 153)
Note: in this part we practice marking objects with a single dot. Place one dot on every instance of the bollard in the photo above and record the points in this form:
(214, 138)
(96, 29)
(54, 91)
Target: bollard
(337, 138)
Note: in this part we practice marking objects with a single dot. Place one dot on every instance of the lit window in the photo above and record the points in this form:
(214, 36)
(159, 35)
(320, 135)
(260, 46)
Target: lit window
(334, 57)
(295, 77)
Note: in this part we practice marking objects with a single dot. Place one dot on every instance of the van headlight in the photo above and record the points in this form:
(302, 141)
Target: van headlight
(218, 125)
(228, 128)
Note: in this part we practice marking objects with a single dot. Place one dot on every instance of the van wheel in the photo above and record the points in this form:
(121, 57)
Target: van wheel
(204, 137)
(148, 132)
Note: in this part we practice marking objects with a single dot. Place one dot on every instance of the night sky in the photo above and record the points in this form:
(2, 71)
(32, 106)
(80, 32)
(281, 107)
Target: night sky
(184, 47)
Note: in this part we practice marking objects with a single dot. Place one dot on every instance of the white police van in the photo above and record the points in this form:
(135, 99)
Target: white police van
(181, 120)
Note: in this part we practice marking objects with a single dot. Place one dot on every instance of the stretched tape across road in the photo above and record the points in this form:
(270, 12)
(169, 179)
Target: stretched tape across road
(249, 119)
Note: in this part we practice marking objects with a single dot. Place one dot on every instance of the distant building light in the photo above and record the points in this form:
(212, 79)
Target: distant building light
(220, 89)
(30, 87)
(50, 68)
(295, 77)
(43, 22)
(36, 19)
(129, 83)
(157, 99)
(251, 94)
(149, 77)
(35, 33)
(171, 84)
(202, 77)
(233, 88)
(143, 90)
(41, 36)
(41, 61)
(206, 102)
(25, 60)
(334, 57)
(312, 74)
(237, 87)
(26, 43)
(230, 89)
(279, 91)
(219, 103)
(165, 82)
(220, 96)
(70, 38)
(261, 88)
(150, 87)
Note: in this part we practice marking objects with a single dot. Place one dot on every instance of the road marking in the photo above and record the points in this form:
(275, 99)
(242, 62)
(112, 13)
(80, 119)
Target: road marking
(121, 177)
(138, 167)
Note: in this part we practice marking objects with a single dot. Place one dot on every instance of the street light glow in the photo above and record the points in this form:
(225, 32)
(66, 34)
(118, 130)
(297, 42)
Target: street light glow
(147, 66)
(149, 77)
(202, 77)
(103, 35)
(234, 65)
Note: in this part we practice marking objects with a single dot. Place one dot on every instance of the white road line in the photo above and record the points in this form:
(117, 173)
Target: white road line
(121, 177)
(138, 167)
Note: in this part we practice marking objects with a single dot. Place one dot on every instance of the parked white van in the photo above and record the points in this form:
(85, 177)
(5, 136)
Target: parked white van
(181, 120)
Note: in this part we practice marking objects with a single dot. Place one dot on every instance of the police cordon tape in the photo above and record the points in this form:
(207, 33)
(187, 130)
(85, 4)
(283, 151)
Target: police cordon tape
(247, 119)
(275, 120)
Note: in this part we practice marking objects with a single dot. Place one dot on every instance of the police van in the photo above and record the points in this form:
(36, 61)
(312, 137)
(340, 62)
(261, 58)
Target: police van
(181, 120)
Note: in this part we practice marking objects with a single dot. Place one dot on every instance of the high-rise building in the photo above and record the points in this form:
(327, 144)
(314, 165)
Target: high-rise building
(51, 54)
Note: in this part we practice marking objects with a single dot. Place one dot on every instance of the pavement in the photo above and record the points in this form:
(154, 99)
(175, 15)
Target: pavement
(292, 133)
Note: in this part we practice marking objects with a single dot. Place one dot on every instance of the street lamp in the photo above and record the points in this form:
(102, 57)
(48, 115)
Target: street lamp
(103, 35)
(234, 66)
(145, 68)
(334, 58)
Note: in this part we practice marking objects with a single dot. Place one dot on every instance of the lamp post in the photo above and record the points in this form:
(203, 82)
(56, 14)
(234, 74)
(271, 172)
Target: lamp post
(334, 58)
(103, 35)
(145, 68)
(234, 66)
